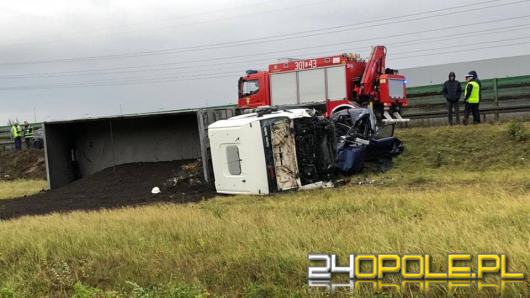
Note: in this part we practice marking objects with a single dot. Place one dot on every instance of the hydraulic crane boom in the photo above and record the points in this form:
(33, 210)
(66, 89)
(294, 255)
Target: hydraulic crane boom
(375, 67)
(381, 86)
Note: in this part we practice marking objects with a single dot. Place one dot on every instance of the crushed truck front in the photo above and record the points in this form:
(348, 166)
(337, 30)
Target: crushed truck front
(271, 152)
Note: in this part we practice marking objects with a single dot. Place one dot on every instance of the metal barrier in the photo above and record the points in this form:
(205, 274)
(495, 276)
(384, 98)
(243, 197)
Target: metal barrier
(499, 96)
(6, 142)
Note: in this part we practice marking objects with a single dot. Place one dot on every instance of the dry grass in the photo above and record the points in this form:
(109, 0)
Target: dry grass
(20, 188)
(256, 246)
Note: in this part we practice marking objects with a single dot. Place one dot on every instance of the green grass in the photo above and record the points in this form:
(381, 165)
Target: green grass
(472, 197)
(464, 148)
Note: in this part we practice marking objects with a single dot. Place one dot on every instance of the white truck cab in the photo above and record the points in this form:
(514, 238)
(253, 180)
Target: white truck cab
(262, 153)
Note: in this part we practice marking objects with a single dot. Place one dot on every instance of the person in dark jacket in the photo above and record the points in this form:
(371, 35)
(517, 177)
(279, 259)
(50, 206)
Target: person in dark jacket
(452, 92)
(472, 95)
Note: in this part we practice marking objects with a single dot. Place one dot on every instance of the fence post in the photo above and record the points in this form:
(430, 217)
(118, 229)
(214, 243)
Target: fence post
(496, 98)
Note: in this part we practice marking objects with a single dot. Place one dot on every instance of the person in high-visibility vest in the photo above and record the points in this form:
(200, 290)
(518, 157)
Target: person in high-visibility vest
(28, 134)
(472, 98)
(16, 134)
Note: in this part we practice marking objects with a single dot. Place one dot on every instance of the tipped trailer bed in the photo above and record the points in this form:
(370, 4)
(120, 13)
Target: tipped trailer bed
(82, 147)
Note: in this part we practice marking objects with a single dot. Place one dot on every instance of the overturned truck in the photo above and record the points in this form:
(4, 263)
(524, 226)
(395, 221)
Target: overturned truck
(257, 153)
(277, 150)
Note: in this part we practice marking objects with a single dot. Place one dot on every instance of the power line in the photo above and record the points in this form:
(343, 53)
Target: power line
(133, 69)
(298, 35)
(463, 50)
(130, 80)
(166, 79)
(461, 45)
(464, 35)
(174, 17)
(283, 9)
(121, 82)
(137, 80)
(272, 38)
(207, 21)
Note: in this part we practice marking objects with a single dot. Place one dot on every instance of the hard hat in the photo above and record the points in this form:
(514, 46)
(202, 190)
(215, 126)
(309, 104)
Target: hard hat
(470, 75)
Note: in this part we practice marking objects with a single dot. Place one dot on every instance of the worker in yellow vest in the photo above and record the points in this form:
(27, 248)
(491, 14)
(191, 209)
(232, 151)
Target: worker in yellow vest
(16, 134)
(472, 98)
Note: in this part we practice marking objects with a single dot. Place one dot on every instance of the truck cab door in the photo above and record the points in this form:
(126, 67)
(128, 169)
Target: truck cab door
(253, 90)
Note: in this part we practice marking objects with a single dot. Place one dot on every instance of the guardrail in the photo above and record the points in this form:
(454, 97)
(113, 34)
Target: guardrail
(499, 96)
(6, 142)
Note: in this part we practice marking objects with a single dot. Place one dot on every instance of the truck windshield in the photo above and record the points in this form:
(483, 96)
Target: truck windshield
(249, 87)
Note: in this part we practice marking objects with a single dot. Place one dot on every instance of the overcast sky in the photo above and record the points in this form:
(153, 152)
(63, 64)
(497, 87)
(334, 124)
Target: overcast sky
(69, 59)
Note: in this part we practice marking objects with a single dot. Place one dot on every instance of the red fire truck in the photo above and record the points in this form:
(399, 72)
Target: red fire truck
(328, 84)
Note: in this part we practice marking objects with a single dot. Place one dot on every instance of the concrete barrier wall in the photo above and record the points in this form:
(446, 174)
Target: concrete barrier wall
(486, 69)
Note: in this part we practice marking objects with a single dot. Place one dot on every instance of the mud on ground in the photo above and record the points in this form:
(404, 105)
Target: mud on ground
(25, 164)
(120, 186)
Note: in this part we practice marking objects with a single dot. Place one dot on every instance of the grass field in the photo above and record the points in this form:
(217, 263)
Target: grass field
(19, 188)
(454, 190)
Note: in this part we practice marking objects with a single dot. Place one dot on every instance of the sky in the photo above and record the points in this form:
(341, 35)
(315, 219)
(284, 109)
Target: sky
(63, 59)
